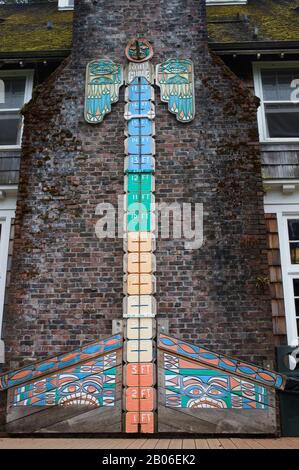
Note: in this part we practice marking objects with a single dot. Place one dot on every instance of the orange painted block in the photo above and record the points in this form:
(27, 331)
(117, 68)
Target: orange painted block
(139, 375)
(140, 398)
(144, 419)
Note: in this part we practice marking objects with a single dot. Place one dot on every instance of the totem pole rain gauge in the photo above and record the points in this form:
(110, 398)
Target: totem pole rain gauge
(104, 78)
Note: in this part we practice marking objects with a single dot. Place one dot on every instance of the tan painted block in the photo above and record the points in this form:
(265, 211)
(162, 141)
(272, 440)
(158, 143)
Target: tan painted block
(139, 284)
(140, 328)
(141, 262)
(139, 351)
(140, 242)
(139, 306)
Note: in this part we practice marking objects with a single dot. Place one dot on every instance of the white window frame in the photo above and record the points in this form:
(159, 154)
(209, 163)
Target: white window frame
(64, 5)
(258, 88)
(226, 2)
(5, 220)
(28, 74)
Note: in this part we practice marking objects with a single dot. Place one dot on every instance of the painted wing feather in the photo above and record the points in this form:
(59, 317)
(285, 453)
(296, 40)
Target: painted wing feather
(176, 81)
(103, 81)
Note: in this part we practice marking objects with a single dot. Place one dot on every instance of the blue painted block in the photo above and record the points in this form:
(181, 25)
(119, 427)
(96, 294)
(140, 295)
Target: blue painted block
(139, 107)
(140, 126)
(139, 90)
(140, 145)
(140, 163)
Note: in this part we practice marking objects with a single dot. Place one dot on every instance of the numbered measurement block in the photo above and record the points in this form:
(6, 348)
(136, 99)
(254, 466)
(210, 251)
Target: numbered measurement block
(140, 242)
(139, 90)
(139, 284)
(139, 398)
(144, 109)
(143, 421)
(140, 163)
(140, 145)
(139, 306)
(140, 221)
(139, 350)
(140, 201)
(140, 328)
(139, 263)
(141, 126)
(140, 375)
(143, 182)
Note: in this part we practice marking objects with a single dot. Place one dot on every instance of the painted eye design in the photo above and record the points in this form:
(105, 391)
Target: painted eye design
(92, 388)
(69, 389)
(216, 392)
(194, 391)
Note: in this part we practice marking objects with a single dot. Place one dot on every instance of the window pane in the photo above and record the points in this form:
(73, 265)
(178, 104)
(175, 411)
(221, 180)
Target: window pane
(277, 84)
(296, 289)
(282, 120)
(14, 92)
(10, 125)
(294, 251)
(293, 228)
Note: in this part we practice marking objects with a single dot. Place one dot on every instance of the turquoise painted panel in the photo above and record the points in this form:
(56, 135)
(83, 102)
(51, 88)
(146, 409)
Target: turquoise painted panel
(139, 221)
(103, 81)
(140, 182)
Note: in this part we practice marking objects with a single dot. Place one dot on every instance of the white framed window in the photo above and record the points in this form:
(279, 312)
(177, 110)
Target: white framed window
(15, 91)
(65, 4)
(226, 2)
(277, 86)
(7, 213)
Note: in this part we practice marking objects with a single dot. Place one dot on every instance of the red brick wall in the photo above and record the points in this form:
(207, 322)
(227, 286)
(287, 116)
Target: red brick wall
(66, 285)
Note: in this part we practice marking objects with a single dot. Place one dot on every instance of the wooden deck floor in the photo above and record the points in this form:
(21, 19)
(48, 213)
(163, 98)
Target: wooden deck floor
(221, 443)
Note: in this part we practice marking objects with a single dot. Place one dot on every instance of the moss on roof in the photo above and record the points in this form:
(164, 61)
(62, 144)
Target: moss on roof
(24, 28)
(276, 20)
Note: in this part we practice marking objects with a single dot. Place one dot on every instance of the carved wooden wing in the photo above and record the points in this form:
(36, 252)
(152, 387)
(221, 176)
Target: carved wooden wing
(176, 81)
(103, 81)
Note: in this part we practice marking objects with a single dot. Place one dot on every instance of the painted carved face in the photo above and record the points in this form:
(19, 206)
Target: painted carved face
(207, 392)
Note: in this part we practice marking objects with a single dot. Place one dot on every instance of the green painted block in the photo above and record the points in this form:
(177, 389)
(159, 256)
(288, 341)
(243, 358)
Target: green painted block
(139, 201)
(141, 182)
(139, 221)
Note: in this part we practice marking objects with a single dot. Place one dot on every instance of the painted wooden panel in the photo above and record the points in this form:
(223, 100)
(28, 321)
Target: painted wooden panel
(139, 351)
(90, 383)
(140, 398)
(140, 145)
(139, 182)
(143, 421)
(141, 263)
(140, 374)
(139, 164)
(141, 242)
(139, 284)
(139, 306)
(103, 81)
(176, 81)
(140, 328)
(191, 385)
(249, 371)
(47, 366)
(134, 70)
(141, 126)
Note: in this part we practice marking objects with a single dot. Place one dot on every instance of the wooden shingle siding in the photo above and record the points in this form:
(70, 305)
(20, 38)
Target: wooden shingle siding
(275, 279)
